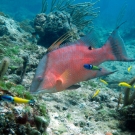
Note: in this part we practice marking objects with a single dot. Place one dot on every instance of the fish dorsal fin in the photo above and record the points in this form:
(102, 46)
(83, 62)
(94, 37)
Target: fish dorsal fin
(59, 41)
(91, 40)
(120, 25)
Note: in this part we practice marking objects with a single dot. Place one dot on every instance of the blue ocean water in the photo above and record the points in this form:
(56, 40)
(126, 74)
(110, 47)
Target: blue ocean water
(21, 10)
(109, 9)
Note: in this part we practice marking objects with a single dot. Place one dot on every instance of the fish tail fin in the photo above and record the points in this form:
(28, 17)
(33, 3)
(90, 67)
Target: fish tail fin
(114, 47)
(100, 69)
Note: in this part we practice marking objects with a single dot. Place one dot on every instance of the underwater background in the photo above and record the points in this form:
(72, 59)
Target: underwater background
(100, 106)
(19, 9)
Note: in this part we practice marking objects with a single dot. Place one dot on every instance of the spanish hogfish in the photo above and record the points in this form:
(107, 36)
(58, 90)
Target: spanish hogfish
(62, 68)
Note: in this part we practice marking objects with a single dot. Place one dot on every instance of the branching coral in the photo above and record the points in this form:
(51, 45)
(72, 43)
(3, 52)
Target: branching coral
(82, 13)
(56, 5)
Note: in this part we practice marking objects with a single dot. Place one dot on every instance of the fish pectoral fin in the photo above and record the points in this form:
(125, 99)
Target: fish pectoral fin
(62, 80)
(73, 87)
(64, 76)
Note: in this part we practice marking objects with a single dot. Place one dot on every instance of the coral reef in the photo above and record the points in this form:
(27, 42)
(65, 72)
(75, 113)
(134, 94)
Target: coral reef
(11, 32)
(81, 13)
(70, 112)
(127, 117)
(15, 118)
(22, 119)
(50, 27)
(127, 112)
(63, 17)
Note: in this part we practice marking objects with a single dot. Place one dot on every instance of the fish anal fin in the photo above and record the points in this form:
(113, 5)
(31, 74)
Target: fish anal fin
(65, 75)
(73, 87)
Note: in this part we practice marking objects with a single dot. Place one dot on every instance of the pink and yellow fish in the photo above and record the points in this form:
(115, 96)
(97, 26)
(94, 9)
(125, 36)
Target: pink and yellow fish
(62, 68)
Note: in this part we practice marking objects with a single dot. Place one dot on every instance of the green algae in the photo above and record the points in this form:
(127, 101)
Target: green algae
(41, 123)
(68, 116)
(61, 129)
(12, 51)
(17, 90)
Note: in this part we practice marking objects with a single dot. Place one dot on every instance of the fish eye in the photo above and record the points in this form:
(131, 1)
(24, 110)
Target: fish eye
(90, 48)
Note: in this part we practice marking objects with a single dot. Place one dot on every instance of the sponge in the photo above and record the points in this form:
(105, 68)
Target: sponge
(4, 66)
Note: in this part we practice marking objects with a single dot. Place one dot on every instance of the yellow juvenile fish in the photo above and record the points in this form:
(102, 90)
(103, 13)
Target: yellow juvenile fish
(103, 81)
(124, 84)
(21, 100)
(129, 68)
(96, 93)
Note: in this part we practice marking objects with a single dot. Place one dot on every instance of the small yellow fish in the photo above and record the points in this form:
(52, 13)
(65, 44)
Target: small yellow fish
(96, 93)
(21, 100)
(124, 84)
(103, 81)
(129, 68)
